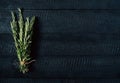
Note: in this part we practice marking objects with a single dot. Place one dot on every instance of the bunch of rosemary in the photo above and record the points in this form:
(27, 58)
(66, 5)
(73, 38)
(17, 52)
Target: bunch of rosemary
(22, 34)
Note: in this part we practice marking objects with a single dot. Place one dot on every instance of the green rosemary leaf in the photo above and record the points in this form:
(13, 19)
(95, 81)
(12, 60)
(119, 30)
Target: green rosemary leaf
(21, 24)
(32, 22)
(22, 34)
(13, 16)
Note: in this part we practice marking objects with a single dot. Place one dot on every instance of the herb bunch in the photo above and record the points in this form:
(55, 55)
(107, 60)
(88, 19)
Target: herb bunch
(22, 34)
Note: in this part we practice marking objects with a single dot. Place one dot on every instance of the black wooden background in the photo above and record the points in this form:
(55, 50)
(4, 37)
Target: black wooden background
(75, 41)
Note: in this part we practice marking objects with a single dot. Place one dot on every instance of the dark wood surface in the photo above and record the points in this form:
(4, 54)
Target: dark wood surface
(74, 41)
(61, 4)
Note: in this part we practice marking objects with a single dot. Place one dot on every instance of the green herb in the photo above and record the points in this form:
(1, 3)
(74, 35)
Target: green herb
(22, 34)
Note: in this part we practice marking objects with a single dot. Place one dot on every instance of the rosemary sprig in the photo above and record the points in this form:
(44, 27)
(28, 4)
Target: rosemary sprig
(22, 34)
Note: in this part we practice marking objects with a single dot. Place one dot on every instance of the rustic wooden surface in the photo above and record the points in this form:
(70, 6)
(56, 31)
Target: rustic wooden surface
(74, 41)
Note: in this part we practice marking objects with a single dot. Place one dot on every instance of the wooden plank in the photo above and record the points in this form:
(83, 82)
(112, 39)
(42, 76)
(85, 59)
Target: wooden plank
(103, 22)
(65, 45)
(69, 67)
(58, 80)
(60, 4)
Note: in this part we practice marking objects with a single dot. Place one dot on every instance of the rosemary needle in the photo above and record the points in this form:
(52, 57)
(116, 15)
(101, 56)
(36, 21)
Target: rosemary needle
(22, 34)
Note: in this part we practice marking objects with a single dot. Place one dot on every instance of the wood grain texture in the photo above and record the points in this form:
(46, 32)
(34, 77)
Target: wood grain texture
(27, 80)
(64, 67)
(69, 21)
(60, 4)
(75, 41)
(65, 45)
(79, 45)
